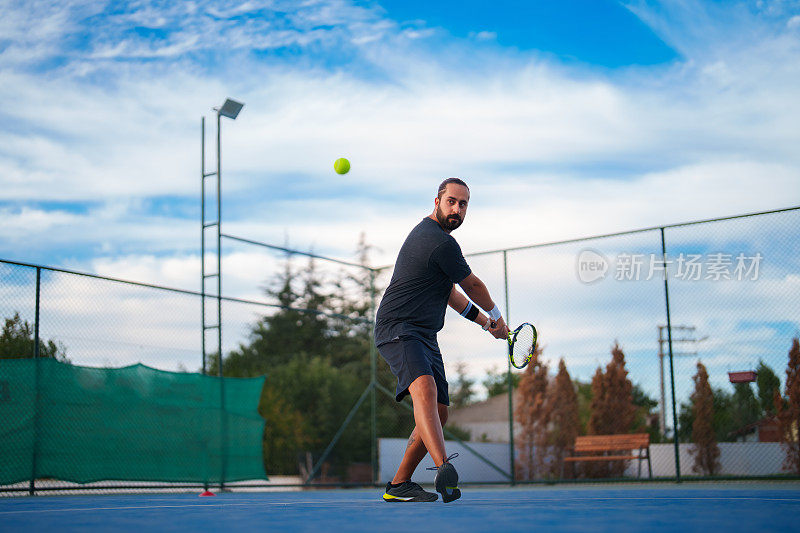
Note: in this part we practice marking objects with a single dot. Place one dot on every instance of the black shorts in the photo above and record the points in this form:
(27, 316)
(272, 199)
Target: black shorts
(410, 358)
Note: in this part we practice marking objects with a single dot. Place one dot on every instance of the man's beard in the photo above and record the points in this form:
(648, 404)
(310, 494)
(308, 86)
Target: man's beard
(448, 223)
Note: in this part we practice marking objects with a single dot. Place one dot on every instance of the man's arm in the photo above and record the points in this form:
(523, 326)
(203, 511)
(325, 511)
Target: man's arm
(459, 302)
(478, 293)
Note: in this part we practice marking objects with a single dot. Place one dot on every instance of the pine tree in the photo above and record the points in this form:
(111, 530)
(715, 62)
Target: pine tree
(17, 342)
(562, 412)
(788, 411)
(705, 449)
(529, 413)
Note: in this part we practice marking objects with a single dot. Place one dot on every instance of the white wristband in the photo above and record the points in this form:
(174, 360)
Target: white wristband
(495, 314)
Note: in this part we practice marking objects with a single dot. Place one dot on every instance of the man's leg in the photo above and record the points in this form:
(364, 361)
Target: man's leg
(426, 416)
(416, 451)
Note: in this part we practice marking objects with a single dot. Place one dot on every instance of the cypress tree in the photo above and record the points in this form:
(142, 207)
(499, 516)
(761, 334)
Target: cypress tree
(562, 411)
(531, 416)
(705, 449)
(788, 411)
(619, 408)
(596, 425)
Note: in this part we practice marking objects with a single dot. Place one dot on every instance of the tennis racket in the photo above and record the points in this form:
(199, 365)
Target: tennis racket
(521, 345)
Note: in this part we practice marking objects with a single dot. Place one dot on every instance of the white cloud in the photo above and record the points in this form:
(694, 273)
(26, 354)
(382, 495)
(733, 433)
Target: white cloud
(550, 152)
(34, 221)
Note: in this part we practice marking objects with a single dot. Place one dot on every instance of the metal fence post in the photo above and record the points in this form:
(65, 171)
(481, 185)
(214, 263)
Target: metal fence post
(37, 404)
(671, 366)
(512, 471)
(373, 362)
(203, 242)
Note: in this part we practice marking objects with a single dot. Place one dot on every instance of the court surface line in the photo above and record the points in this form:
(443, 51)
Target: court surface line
(339, 502)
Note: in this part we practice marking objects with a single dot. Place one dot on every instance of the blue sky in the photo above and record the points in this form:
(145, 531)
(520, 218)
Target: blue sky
(567, 119)
(595, 32)
(632, 100)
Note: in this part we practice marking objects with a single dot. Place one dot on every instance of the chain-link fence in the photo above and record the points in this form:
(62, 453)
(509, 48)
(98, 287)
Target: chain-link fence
(719, 293)
(728, 300)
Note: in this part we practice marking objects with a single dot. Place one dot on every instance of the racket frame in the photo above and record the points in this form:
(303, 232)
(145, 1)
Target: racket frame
(512, 338)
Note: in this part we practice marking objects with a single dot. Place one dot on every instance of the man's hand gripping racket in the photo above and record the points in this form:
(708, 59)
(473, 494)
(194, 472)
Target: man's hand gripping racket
(521, 343)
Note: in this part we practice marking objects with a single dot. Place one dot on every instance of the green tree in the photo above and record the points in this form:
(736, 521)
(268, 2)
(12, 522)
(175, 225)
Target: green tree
(496, 381)
(645, 419)
(723, 422)
(745, 408)
(462, 392)
(315, 350)
(17, 342)
(766, 382)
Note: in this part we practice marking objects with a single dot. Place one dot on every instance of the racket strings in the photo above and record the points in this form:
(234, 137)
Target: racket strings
(523, 345)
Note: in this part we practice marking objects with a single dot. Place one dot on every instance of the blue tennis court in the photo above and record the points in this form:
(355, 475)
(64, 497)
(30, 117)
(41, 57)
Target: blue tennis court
(700, 507)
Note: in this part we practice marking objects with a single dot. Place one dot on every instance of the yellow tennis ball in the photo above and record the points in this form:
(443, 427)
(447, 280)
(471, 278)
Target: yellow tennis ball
(341, 166)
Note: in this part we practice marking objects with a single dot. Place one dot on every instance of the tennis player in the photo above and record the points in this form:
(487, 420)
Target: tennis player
(428, 268)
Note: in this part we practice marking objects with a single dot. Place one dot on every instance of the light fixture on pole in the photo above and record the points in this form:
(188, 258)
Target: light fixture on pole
(230, 108)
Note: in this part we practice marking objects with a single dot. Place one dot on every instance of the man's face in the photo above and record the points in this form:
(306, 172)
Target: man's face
(451, 208)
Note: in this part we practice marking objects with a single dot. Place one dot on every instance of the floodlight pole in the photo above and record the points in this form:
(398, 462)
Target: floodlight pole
(511, 453)
(230, 109)
(219, 247)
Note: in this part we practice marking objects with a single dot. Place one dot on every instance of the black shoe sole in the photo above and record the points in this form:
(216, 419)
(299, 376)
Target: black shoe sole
(447, 483)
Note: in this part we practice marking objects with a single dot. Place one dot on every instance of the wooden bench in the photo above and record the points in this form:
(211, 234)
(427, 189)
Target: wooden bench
(599, 445)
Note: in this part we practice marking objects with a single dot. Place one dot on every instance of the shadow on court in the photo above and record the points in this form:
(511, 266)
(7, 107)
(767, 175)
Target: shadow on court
(717, 507)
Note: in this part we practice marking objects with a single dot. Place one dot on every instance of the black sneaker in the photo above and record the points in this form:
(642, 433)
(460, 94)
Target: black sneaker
(408, 491)
(447, 480)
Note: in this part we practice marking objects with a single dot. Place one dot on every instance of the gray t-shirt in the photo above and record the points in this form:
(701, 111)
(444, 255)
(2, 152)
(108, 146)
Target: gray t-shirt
(429, 263)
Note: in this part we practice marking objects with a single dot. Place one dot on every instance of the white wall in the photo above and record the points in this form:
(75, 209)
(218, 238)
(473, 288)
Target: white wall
(736, 459)
(494, 431)
(469, 467)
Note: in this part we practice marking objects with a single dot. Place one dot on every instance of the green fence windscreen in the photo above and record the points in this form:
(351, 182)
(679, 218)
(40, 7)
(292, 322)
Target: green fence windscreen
(85, 424)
